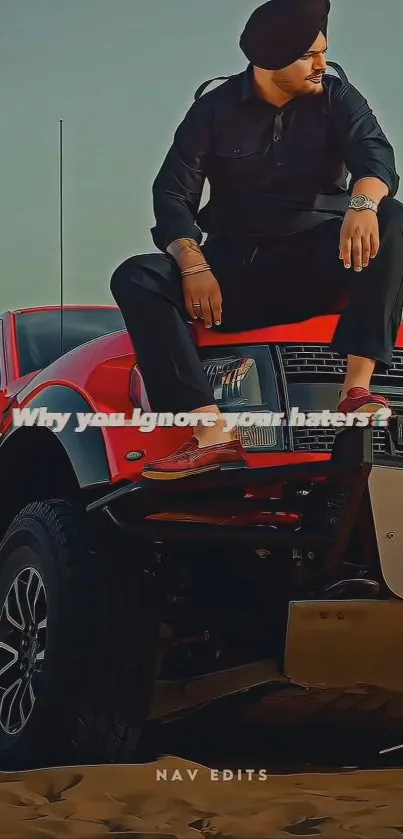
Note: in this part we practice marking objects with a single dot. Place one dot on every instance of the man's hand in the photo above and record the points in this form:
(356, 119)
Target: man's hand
(203, 298)
(359, 238)
(201, 290)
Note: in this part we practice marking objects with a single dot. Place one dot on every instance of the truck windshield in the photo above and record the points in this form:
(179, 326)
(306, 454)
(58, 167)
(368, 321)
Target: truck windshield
(38, 333)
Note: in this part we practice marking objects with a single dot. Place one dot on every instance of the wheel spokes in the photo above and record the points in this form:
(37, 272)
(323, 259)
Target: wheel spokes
(23, 625)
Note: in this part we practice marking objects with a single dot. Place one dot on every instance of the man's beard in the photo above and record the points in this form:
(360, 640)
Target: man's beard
(311, 87)
(315, 82)
(316, 79)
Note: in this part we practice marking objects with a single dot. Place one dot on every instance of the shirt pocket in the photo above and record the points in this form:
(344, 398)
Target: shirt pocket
(240, 158)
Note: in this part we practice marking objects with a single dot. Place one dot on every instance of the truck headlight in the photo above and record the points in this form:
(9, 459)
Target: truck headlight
(243, 380)
(235, 381)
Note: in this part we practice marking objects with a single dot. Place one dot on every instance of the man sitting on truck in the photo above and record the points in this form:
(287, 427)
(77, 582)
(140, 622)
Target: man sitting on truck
(288, 238)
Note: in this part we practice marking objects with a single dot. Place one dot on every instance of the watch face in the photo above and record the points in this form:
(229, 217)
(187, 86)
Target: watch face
(360, 201)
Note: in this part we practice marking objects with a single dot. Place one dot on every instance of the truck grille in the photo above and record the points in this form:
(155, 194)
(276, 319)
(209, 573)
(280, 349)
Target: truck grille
(322, 439)
(305, 361)
(317, 363)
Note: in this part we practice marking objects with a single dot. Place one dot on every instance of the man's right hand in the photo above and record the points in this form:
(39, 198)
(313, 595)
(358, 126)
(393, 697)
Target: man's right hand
(203, 299)
(201, 291)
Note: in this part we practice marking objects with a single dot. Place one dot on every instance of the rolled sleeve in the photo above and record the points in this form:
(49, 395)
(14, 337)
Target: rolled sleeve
(178, 187)
(368, 153)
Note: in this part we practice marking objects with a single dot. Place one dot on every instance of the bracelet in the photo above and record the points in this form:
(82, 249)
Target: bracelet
(196, 269)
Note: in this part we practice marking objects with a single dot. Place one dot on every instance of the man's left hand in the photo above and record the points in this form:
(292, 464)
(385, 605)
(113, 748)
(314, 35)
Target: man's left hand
(359, 238)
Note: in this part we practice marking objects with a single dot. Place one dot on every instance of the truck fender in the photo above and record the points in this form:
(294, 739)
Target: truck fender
(86, 451)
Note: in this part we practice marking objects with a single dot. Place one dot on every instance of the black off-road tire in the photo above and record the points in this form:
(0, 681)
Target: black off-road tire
(100, 643)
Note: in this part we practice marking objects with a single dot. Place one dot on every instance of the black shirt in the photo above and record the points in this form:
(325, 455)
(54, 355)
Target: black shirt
(271, 171)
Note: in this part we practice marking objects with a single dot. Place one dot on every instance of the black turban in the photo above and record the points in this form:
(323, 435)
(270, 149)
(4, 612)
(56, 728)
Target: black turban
(281, 31)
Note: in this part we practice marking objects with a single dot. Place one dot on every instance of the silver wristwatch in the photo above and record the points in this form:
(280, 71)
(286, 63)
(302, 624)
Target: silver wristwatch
(361, 202)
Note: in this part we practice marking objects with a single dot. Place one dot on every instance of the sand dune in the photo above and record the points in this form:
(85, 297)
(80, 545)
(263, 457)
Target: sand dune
(130, 801)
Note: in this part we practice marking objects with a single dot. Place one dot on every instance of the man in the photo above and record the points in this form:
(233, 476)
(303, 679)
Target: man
(284, 241)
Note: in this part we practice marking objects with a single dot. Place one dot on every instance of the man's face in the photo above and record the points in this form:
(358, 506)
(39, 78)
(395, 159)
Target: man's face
(305, 76)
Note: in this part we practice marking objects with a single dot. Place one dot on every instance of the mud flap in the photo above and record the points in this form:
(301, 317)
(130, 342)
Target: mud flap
(344, 644)
(385, 486)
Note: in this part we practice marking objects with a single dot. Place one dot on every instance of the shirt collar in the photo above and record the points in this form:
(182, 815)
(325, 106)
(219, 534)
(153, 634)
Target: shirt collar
(247, 91)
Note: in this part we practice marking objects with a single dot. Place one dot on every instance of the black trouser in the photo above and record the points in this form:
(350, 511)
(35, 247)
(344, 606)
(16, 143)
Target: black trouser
(263, 283)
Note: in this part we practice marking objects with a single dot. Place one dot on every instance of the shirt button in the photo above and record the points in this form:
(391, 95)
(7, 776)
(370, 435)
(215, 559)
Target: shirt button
(277, 138)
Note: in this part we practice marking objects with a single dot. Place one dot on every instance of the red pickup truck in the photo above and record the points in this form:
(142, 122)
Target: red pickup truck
(124, 600)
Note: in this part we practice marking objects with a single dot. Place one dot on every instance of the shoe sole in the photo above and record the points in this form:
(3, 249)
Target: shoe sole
(188, 473)
(369, 408)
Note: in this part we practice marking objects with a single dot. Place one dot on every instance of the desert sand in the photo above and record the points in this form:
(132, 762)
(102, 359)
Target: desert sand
(130, 801)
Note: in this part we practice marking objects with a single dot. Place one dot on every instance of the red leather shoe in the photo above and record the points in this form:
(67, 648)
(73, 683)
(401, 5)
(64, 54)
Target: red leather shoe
(361, 400)
(191, 459)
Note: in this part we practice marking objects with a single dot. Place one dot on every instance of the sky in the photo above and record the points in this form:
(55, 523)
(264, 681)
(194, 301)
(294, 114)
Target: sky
(121, 74)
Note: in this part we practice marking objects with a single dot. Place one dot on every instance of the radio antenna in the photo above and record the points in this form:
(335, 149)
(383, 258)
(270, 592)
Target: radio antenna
(61, 234)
